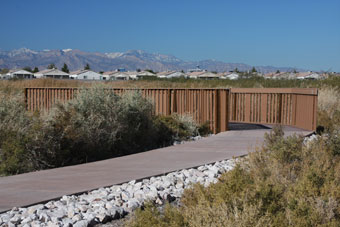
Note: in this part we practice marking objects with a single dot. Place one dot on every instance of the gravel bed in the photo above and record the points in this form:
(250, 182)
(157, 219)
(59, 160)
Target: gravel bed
(111, 203)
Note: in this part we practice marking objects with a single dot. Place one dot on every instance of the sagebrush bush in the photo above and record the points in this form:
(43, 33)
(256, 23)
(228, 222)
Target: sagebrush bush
(182, 127)
(283, 183)
(15, 128)
(99, 124)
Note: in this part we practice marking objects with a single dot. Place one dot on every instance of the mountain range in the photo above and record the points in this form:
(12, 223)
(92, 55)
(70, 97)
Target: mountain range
(130, 60)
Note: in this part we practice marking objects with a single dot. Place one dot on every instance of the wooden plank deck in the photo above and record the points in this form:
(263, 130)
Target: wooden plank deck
(31, 188)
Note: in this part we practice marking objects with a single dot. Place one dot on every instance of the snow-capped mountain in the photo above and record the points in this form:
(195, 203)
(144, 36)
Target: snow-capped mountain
(130, 60)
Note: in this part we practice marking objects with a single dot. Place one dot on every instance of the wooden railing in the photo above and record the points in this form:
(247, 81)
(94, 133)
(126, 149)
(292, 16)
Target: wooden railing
(204, 105)
(287, 106)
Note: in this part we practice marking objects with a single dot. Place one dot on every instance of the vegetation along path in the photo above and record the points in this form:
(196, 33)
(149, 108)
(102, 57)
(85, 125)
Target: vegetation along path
(35, 187)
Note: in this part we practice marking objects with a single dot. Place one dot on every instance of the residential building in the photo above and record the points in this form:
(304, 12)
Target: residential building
(86, 75)
(307, 75)
(194, 75)
(171, 74)
(163, 74)
(230, 76)
(19, 73)
(116, 75)
(208, 76)
(52, 73)
(144, 74)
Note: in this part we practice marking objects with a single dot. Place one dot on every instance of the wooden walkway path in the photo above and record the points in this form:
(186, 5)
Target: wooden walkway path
(36, 187)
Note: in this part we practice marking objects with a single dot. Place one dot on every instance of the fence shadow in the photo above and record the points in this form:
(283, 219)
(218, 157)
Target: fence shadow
(245, 126)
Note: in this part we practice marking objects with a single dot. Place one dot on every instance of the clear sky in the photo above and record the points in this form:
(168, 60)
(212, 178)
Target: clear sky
(296, 33)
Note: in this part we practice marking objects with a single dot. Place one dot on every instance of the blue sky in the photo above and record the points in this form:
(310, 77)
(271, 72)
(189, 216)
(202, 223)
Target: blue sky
(296, 33)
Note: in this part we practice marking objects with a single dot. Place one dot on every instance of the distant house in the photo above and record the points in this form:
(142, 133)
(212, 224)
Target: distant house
(132, 75)
(208, 76)
(177, 75)
(279, 75)
(163, 74)
(86, 75)
(230, 76)
(19, 73)
(120, 76)
(171, 74)
(308, 75)
(194, 75)
(116, 75)
(52, 73)
(144, 74)
(108, 75)
(314, 76)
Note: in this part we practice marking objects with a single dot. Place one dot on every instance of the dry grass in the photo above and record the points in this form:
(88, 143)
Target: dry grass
(329, 100)
(173, 83)
(284, 183)
(329, 108)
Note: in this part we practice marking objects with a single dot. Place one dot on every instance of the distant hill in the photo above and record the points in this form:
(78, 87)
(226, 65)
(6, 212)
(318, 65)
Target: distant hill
(130, 60)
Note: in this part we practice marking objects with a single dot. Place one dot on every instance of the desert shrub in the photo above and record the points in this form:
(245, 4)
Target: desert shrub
(15, 126)
(286, 182)
(99, 124)
(204, 129)
(181, 127)
(151, 216)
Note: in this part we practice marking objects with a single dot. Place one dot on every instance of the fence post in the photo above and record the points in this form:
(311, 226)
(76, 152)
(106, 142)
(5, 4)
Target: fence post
(26, 104)
(315, 112)
(294, 103)
(279, 111)
(216, 110)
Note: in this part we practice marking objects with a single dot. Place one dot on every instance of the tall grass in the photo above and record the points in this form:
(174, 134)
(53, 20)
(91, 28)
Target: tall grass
(329, 108)
(174, 83)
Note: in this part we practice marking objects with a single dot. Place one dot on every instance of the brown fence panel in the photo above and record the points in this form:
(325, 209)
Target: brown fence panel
(204, 105)
(287, 106)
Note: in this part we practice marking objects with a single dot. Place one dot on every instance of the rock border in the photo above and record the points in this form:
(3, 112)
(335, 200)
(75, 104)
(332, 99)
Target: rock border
(114, 202)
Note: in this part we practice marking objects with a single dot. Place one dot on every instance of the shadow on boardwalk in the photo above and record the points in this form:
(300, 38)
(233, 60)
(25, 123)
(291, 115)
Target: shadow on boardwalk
(242, 126)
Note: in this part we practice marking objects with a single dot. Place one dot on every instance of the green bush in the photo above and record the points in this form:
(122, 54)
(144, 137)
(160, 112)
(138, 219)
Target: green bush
(284, 183)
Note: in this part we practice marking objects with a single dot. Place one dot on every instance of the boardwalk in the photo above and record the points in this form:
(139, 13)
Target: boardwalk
(31, 188)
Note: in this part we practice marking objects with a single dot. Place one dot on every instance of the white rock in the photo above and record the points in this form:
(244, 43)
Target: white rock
(26, 220)
(82, 223)
(51, 224)
(76, 218)
(15, 220)
(125, 195)
(67, 222)
(132, 204)
(105, 203)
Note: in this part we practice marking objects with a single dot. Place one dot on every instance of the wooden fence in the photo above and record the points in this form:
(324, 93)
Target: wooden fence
(204, 105)
(287, 106)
